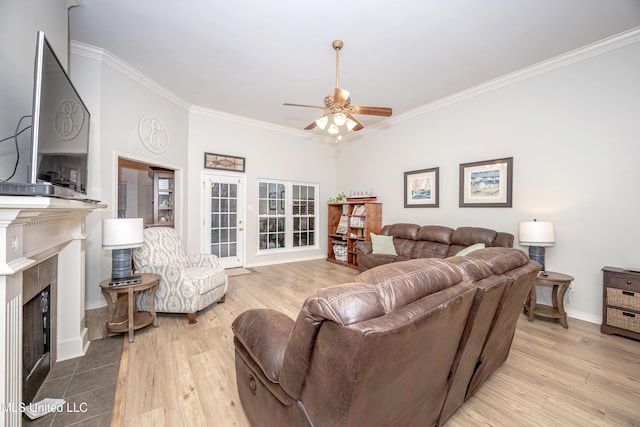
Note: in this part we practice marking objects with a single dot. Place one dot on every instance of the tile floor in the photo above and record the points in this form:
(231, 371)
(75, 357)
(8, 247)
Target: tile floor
(87, 384)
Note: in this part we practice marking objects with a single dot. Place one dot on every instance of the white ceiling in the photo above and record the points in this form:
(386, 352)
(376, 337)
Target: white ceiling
(247, 57)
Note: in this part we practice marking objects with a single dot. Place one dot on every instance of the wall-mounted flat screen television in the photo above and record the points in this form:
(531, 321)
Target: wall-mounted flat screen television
(60, 125)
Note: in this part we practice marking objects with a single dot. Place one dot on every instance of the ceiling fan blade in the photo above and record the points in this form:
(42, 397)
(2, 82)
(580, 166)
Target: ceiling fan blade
(358, 125)
(313, 125)
(303, 105)
(371, 111)
(340, 97)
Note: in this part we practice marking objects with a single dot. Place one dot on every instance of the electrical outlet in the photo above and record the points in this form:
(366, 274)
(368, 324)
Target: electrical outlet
(571, 287)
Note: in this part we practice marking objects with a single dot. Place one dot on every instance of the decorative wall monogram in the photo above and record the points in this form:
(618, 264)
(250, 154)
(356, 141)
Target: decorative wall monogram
(153, 134)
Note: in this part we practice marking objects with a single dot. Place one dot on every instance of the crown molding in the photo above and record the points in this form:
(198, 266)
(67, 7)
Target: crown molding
(248, 121)
(108, 59)
(589, 51)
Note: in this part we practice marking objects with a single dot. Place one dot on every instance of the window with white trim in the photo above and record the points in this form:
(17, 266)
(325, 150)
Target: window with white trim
(287, 215)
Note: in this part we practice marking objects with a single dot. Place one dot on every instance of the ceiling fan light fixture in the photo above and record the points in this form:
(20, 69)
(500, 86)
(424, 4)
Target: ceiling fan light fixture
(322, 122)
(339, 119)
(337, 106)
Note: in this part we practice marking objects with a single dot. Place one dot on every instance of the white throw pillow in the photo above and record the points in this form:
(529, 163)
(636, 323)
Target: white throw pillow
(382, 245)
(469, 249)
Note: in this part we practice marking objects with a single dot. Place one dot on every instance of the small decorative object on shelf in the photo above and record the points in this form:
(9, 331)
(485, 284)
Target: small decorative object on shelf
(361, 196)
(343, 225)
(340, 198)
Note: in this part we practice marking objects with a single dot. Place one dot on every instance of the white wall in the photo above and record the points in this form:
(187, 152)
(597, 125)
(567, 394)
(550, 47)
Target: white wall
(271, 153)
(573, 133)
(118, 97)
(19, 22)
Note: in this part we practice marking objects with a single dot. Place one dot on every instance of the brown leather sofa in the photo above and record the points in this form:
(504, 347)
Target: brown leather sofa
(428, 241)
(404, 344)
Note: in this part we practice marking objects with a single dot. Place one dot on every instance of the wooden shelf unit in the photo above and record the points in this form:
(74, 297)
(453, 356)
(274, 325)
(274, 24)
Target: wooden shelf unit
(163, 197)
(363, 218)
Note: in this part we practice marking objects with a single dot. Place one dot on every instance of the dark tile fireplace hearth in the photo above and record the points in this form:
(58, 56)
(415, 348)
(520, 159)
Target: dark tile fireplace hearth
(36, 339)
(38, 325)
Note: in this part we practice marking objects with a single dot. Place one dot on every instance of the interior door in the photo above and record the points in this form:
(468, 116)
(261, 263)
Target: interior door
(224, 218)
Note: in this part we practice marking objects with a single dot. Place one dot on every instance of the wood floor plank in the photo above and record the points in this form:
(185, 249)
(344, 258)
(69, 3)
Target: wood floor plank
(185, 375)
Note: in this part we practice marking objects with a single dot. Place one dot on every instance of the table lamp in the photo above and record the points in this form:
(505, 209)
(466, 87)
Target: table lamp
(537, 235)
(120, 235)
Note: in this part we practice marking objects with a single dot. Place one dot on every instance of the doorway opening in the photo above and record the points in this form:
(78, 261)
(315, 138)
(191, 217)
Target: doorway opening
(146, 191)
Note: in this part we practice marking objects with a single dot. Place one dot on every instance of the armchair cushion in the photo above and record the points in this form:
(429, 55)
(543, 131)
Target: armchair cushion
(204, 279)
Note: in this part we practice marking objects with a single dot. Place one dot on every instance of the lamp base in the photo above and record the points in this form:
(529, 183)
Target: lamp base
(121, 264)
(536, 253)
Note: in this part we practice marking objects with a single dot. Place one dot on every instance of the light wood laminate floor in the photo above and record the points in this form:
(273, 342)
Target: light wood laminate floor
(181, 375)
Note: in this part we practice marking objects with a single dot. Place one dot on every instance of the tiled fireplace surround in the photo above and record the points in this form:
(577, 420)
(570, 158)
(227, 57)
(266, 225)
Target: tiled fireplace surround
(33, 230)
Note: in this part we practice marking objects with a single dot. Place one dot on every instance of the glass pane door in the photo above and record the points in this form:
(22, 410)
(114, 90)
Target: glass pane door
(224, 224)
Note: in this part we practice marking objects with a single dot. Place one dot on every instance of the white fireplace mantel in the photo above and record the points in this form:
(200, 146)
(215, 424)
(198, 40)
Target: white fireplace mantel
(33, 229)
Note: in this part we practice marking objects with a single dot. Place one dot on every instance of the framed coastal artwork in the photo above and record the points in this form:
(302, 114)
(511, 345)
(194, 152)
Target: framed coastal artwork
(421, 188)
(487, 183)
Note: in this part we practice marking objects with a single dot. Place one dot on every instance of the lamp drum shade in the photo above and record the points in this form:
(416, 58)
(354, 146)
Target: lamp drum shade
(122, 233)
(536, 233)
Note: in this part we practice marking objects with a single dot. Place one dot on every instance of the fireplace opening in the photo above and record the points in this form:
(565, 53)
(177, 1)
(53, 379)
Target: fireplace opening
(36, 343)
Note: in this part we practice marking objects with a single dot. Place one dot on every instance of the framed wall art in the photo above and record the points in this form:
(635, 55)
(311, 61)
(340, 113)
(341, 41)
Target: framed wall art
(421, 188)
(487, 183)
(224, 162)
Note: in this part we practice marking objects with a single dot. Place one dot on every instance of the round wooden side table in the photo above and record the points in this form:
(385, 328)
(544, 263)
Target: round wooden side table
(121, 302)
(560, 285)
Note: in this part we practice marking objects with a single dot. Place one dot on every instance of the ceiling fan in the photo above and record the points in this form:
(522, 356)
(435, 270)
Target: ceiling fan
(339, 111)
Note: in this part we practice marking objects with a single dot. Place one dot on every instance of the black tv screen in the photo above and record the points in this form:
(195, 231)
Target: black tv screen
(60, 125)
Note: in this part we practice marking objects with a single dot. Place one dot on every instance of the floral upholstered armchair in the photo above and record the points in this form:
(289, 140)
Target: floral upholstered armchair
(188, 283)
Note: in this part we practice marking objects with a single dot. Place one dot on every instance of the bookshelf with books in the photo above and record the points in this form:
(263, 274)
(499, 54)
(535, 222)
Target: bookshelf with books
(348, 224)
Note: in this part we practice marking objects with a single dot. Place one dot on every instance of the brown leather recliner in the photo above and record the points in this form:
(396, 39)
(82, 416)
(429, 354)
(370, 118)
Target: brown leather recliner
(413, 241)
(487, 340)
(393, 348)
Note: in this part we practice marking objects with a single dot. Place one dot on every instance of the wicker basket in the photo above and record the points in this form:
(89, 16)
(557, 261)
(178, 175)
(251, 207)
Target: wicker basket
(623, 319)
(340, 251)
(623, 299)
